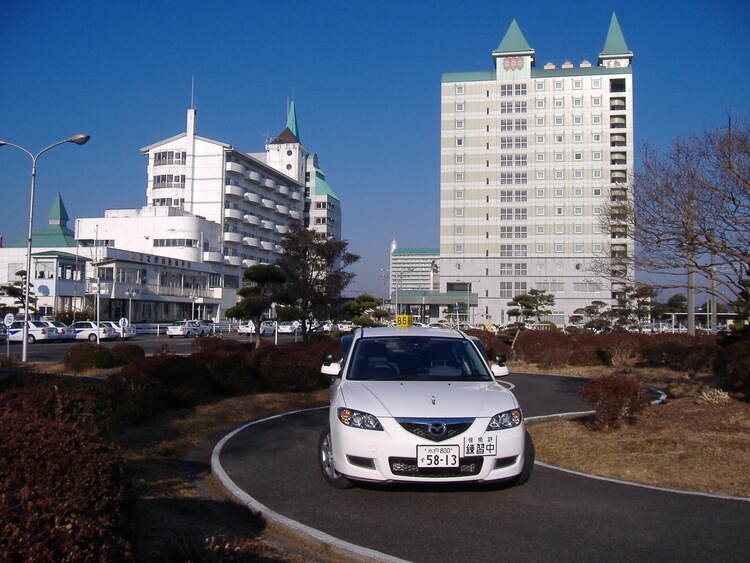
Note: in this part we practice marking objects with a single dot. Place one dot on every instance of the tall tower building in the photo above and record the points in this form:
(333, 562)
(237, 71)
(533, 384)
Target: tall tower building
(531, 158)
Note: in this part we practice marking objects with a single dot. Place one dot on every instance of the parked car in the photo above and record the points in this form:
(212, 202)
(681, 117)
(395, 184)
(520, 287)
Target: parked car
(62, 331)
(209, 325)
(88, 330)
(187, 329)
(345, 326)
(288, 327)
(38, 330)
(123, 333)
(246, 328)
(267, 327)
(420, 405)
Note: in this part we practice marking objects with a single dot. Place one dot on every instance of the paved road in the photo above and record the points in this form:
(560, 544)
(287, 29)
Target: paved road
(557, 516)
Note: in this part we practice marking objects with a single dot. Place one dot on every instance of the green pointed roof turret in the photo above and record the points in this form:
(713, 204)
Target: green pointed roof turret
(615, 42)
(514, 41)
(291, 120)
(58, 215)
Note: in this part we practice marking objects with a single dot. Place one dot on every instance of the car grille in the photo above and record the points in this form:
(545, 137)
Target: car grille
(421, 428)
(407, 467)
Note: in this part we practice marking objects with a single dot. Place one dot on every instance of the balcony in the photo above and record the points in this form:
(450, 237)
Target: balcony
(253, 176)
(296, 195)
(235, 214)
(252, 241)
(235, 168)
(235, 191)
(282, 229)
(618, 159)
(251, 220)
(233, 260)
(618, 140)
(284, 190)
(268, 245)
(248, 262)
(617, 104)
(618, 176)
(268, 203)
(252, 197)
(232, 237)
(267, 225)
(618, 122)
(283, 209)
(213, 257)
(269, 183)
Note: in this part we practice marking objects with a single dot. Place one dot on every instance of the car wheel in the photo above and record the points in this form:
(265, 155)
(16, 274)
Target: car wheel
(187, 334)
(325, 460)
(528, 462)
(30, 339)
(92, 337)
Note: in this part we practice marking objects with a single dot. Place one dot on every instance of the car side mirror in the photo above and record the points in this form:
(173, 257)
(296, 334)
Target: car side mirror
(500, 359)
(329, 367)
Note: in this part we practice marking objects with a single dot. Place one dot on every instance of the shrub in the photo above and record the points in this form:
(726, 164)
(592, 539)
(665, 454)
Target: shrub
(585, 355)
(87, 355)
(230, 368)
(218, 343)
(293, 367)
(530, 344)
(184, 382)
(136, 397)
(615, 399)
(733, 362)
(553, 357)
(63, 491)
(125, 353)
(492, 343)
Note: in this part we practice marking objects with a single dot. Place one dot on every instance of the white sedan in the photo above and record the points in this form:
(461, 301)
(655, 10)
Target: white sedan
(420, 405)
(187, 329)
(87, 330)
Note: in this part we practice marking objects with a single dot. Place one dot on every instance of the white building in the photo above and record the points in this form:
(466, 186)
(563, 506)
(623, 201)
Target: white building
(530, 158)
(211, 212)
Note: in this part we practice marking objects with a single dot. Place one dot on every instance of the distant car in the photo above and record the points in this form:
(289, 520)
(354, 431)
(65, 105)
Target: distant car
(62, 331)
(120, 332)
(420, 405)
(88, 330)
(345, 326)
(247, 328)
(186, 329)
(288, 327)
(267, 327)
(38, 330)
(209, 325)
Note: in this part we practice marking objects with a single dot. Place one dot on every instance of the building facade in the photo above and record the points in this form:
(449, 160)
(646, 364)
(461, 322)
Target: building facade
(531, 160)
(211, 212)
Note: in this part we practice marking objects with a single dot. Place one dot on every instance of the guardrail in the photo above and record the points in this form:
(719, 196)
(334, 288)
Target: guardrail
(161, 328)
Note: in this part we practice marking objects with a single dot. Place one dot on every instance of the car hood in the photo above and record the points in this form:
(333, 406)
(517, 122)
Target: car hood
(426, 399)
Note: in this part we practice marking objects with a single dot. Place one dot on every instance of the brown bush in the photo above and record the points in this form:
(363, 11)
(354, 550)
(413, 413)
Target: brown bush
(87, 355)
(219, 343)
(184, 382)
(494, 345)
(585, 355)
(293, 367)
(615, 399)
(733, 362)
(531, 344)
(230, 368)
(63, 494)
(553, 357)
(137, 398)
(126, 352)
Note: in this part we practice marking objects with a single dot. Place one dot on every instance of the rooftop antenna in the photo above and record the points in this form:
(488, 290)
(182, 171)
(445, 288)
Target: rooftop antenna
(192, 93)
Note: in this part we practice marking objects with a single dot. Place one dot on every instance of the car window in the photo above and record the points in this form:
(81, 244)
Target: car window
(416, 358)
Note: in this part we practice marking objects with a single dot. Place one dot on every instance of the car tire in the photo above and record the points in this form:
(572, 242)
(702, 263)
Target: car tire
(187, 334)
(325, 461)
(30, 339)
(92, 337)
(528, 462)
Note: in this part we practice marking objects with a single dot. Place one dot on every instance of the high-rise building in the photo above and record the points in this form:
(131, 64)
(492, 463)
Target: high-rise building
(532, 159)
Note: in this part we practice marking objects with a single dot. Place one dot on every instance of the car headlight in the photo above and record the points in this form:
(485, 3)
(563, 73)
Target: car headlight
(507, 419)
(358, 419)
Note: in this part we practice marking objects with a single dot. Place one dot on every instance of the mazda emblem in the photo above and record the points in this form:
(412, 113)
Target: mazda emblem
(437, 429)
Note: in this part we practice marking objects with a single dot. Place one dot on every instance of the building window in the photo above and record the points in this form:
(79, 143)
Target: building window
(596, 83)
(559, 175)
(520, 160)
(596, 120)
(597, 247)
(578, 210)
(597, 210)
(460, 107)
(540, 86)
(540, 211)
(540, 122)
(596, 229)
(577, 120)
(506, 107)
(520, 232)
(539, 103)
(559, 192)
(577, 84)
(520, 89)
(459, 141)
(506, 232)
(520, 142)
(459, 194)
(597, 192)
(577, 156)
(596, 101)
(506, 160)
(506, 142)
(577, 138)
(520, 196)
(459, 124)
(559, 121)
(519, 107)
(559, 229)
(459, 159)
(577, 192)
(540, 139)
(540, 157)
(458, 230)
(559, 103)
(558, 157)
(506, 125)
(596, 155)
(558, 210)
(520, 125)
(578, 174)
(520, 269)
(558, 85)
(540, 192)
(459, 212)
(540, 230)
(520, 214)
(506, 196)
(458, 248)
(506, 250)
(559, 138)
(540, 248)
(578, 229)
(559, 247)
(505, 289)
(520, 178)
(506, 269)
(577, 102)
(459, 89)
(506, 89)
(459, 176)
(506, 178)
(163, 158)
(506, 214)
(596, 137)
(520, 250)
(578, 247)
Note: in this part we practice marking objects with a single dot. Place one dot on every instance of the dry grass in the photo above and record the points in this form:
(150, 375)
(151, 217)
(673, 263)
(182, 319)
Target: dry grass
(686, 444)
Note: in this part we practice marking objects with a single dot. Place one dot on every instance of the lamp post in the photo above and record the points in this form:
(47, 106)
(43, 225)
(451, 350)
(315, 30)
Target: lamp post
(193, 298)
(78, 140)
(130, 292)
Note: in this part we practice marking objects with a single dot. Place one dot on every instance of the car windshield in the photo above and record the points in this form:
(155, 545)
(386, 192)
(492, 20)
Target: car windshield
(417, 358)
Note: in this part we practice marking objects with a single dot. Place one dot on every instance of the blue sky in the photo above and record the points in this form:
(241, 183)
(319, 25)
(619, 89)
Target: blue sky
(365, 78)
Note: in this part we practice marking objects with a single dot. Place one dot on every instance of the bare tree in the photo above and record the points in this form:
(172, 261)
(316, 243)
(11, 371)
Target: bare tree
(691, 213)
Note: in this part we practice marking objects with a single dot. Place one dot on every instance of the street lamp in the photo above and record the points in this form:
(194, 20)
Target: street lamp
(130, 292)
(193, 298)
(78, 140)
